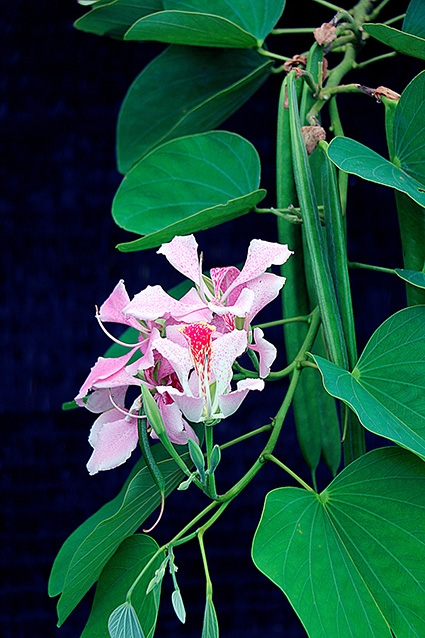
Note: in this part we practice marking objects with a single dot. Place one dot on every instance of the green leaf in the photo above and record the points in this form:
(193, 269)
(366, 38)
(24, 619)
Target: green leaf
(412, 277)
(124, 623)
(409, 129)
(411, 39)
(232, 25)
(397, 40)
(116, 579)
(141, 498)
(351, 559)
(387, 387)
(197, 457)
(186, 185)
(353, 157)
(210, 626)
(185, 91)
(414, 20)
(70, 546)
(115, 17)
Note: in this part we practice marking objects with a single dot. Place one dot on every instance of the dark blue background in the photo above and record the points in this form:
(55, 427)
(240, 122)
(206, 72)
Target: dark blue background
(62, 91)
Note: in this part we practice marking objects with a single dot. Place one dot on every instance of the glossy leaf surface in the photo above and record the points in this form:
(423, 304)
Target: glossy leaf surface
(412, 276)
(142, 497)
(236, 24)
(186, 185)
(411, 39)
(185, 91)
(114, 18)
(409, 129)
(356, 158)
(351, 560)
(387, 387)
(116, 579)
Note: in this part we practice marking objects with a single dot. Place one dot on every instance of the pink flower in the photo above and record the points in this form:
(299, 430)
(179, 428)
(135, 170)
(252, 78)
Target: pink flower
(204, 368)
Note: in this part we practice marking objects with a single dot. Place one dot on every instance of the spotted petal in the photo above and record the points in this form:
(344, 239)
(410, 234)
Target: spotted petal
(182, 253)
(112, 308)
(226, 349)
(107, 372)
(266, 350)
(154, 303)
(113, 439)
(261, 255)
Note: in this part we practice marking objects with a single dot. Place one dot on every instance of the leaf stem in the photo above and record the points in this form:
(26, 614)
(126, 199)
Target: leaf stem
(248, 435)
(205, 563)
(384, 56)
(293, 30)
(356, 264)
(270, 457)
(395, 19)
(334, 7)
(275, 56)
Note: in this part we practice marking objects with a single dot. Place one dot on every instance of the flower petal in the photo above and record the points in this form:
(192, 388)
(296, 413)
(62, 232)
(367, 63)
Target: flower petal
(192, 407)
(112, 308)
(240, 308)
(261, 255)
(106, 372)
(266, 287)
(182, 253)
(100, 400)
(113, 444)
(177, 429)
(231, 401)
(226, 349)
(265, 349)
(154, 303)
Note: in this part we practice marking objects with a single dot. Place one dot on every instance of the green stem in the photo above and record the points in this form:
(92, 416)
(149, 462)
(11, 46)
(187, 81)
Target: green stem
(396, 19)
(275, 56)
(209, 443)
(295, 30)
(356, 264)
(378, 10)
(204, 560)
(273, 376)
(334, 7)
(248, 435)
(270, 457)
(384, 56)
(172, 542)
(336, 128)
(281, 322)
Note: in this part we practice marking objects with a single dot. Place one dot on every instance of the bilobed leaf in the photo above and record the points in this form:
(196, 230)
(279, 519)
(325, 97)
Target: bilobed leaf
(115, 17)
(185, 90)
(188, 184)
(411, 39)
(225, 24)
(351, 560)
(141, 498)
(387, 387)
(412, 276)
(356, 158)
(124, 623)
(116, 579)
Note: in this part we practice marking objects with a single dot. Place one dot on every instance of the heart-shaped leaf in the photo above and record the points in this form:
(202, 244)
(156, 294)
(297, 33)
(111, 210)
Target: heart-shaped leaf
(116, 579)
(351, 559)
(115, 17)
(412, 276)
(356, 158)
(411, 39)
(185, 90)
(141, 498)
(387, 387)
(186, 185)
(225, 24)
(409, 129)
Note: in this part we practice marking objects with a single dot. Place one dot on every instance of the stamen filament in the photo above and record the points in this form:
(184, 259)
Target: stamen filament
(120, 343)
(126, 412)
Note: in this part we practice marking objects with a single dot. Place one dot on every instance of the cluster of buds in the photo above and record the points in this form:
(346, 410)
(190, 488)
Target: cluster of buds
(185, 349)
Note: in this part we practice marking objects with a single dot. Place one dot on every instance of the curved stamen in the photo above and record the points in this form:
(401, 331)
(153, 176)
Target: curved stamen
(159, 516)
(120, 343)
(126, 412)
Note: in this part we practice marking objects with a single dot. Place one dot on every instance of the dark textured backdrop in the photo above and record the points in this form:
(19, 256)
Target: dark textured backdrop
(61, 94)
